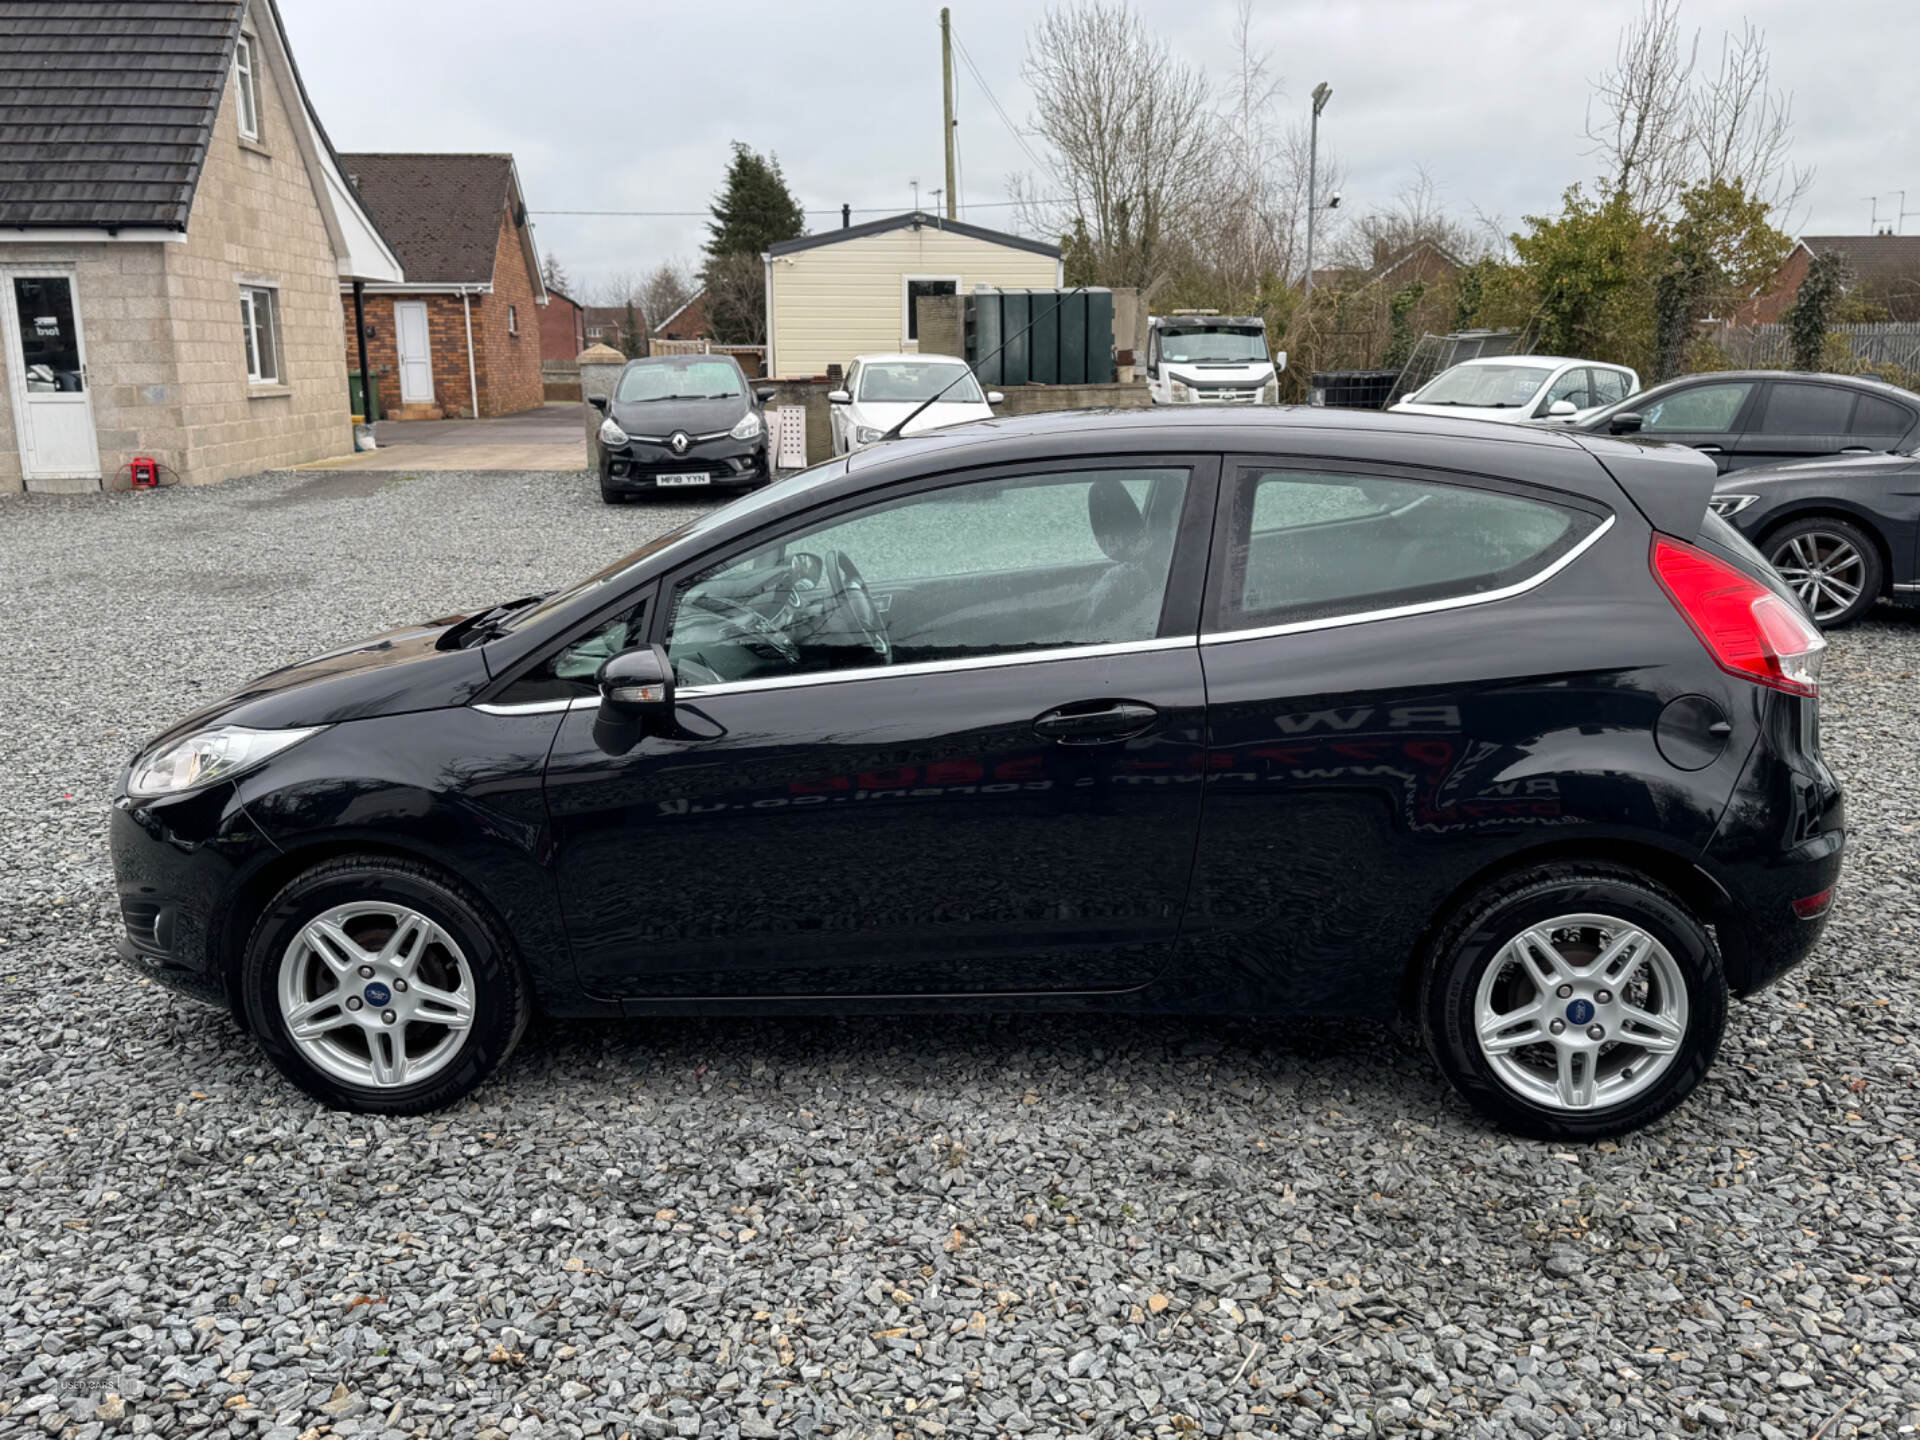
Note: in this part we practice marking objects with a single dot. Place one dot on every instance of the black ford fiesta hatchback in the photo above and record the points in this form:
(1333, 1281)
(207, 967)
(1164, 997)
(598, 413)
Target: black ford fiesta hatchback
(1263, 712)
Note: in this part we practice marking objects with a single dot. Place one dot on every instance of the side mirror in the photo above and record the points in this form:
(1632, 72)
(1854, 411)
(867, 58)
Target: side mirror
(1627, 422)
(1563, 408)
(839, 397)
(764, 393)
(636, 684)
(994, 397)
(599, 402)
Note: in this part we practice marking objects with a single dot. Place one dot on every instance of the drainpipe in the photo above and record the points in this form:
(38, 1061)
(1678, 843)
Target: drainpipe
(473, 384)
(360, 332)
(766, 261)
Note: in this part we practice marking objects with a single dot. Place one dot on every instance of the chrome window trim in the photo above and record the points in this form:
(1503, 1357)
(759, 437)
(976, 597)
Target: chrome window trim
(870, 672)
(1425, 607)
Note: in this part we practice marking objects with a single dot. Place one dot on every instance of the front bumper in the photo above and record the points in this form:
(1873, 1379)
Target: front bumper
(179, 863)
(728, 463)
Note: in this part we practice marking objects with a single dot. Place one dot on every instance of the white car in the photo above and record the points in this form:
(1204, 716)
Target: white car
(882, 390)
(1522, 387)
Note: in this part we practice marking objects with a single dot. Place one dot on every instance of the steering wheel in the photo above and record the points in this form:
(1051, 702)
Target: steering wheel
(749, 621)
(848, 590)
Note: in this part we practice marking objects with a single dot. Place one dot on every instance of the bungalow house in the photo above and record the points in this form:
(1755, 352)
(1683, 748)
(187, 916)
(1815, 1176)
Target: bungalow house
(1885, 271)
(174, 231)
(851, 291)
(461, 335)
(563, 327)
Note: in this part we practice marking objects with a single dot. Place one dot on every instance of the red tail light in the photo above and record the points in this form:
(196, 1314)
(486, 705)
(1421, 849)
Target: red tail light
(1750, 631)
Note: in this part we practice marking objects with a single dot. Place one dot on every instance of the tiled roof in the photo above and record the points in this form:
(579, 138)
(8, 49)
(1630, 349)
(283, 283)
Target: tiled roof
(1878, 262)
(107, 106)
(441, 213)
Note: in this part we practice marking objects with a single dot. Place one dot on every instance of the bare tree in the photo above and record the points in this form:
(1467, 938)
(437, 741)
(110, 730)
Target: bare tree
(1417, 215)
(1660, 128)
(616, 288)
(1129, 138)
(1643, 132)
(668, 286)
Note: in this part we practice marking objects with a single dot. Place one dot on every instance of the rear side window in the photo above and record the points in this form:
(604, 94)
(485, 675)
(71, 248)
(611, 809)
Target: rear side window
(1807, 410)
(1704, 407)
(1881, 420)
(1609, 386)
(1310, 545)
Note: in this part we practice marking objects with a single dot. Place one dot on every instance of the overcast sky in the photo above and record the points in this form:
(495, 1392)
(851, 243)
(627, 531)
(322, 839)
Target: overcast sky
(618, 105)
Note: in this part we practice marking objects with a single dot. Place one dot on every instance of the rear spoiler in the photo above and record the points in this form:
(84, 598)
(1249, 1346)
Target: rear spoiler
(1669, 484)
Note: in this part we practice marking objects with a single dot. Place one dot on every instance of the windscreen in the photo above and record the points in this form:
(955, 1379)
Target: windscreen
(1212, 345)
(680, 380)
(1490, 387)
(887, 382)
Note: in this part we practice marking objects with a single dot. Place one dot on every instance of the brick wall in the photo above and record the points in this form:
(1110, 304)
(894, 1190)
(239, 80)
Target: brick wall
(446, 339)
(509, 362)
(563, 329)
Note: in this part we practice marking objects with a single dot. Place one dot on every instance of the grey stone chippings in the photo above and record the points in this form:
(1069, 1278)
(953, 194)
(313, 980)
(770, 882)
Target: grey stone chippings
(870, 1227)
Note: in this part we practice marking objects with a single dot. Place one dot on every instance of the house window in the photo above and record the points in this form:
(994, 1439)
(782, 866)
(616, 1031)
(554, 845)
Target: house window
(260, 320)
(915, 288)
(244, 88)
(513, 321)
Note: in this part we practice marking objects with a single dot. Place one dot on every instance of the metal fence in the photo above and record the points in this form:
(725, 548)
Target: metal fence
(1767, 347)
(1435, 353)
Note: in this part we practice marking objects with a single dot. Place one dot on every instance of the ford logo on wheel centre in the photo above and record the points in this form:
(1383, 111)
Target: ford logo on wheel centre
(1578, 1013)
(378, 994)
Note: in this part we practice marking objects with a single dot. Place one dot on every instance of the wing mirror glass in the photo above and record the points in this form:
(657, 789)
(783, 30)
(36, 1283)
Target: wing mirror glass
(1627, 422)
(599, 402)
(839, 397)
(636, 684)
(1563, 408)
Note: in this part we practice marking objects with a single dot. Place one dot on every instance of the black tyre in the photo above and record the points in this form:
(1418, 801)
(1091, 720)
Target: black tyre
(1574, 1001)
(1833, 566)
(610, 495)
(380, 985)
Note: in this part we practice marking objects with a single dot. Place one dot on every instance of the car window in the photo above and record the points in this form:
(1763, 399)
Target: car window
(1702, 407)
(1799, 409)
(1609, 386)
(990, 567)
(1571, 386)
(570, 672)
(1497, 387)
(680, 380)
(1881, 420)
(1306, 545)
(911, 381)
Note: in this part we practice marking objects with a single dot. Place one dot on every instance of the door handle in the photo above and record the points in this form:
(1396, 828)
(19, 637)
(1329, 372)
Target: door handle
(1859, 450)
(1096, 722)
(1708, 449)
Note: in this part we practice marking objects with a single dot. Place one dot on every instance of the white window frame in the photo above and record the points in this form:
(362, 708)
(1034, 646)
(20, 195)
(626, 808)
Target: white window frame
(250, 293)
(513, 321)
(246, 88)
(906, 314)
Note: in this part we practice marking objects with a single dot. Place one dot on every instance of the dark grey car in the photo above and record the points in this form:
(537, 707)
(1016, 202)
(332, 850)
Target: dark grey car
(682, 422)
(1844, 532)
(1744, 418)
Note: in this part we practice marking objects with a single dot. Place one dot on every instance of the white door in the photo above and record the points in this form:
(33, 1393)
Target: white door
(416, 351)
(47, 373)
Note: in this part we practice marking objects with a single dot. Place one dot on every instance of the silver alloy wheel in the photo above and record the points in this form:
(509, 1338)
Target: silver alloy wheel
(1826, 571)
(1581, 1012)
(376, 994)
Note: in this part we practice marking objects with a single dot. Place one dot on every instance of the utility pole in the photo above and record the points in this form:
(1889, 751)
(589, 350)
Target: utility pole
(946, 84)
(1322, 93)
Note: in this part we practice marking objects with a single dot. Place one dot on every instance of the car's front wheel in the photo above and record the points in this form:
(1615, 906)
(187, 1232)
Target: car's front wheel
(1574, 1001)
(380, 985)
(1832, 565)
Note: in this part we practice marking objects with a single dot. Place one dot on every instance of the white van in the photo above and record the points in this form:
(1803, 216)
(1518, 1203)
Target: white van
(1201, 357)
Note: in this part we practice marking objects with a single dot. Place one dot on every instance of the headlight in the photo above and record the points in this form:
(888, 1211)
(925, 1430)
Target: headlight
(866, 434)
(749, 427)
(1181, 392)
(1724, 505)
(210, 755)
(611, 434)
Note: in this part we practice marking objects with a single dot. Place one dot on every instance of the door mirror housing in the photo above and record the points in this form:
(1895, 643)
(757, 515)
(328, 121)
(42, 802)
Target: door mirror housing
(1627, 422)
(1563, 408)
(599, 402)
(839, 397)
(764, 393)
(994, 397)
(636, 684)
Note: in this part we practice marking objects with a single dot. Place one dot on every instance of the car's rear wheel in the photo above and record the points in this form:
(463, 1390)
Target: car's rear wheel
(380, 985)
(1574, 1001)
(1832, 565)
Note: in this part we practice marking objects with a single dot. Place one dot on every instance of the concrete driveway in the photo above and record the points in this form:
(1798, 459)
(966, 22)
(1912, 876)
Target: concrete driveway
(550, 438)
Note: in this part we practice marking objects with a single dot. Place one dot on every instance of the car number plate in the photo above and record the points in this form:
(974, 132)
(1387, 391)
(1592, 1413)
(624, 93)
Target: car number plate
(691, 477)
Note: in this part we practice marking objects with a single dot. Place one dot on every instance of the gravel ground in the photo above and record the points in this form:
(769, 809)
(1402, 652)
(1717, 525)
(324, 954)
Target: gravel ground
(867, 1228)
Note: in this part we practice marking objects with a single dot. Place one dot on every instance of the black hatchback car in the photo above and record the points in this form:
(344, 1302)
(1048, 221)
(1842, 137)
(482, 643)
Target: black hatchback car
(1744, 418)
(1255, 712)
(682, 422)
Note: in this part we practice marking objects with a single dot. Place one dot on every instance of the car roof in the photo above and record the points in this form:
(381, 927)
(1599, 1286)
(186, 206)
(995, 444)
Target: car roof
(683, 359)
(1534, 360)
(892, 356)
(1824, 377)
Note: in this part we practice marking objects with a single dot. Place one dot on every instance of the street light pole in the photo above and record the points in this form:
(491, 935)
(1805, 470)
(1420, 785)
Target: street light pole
(1322, 93)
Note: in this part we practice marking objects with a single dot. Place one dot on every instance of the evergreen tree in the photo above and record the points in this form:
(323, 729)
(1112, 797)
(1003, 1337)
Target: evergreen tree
(554, 275)
(754, 208)
(1812, 310)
